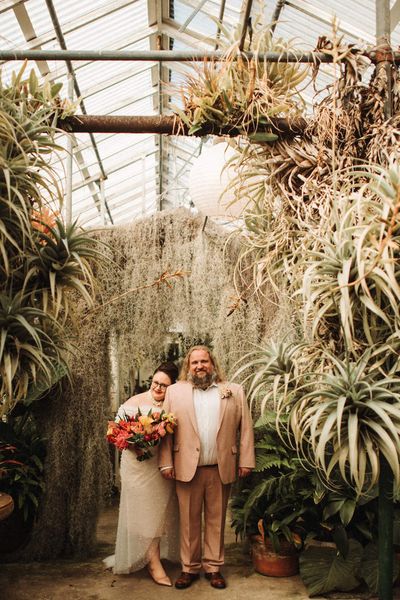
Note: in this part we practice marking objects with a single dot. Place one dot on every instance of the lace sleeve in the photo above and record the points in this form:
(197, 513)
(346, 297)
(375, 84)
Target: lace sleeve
(121, 414)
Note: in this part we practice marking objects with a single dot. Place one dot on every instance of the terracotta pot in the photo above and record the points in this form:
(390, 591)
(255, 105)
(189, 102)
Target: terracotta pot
(267, 562)
(6, 505)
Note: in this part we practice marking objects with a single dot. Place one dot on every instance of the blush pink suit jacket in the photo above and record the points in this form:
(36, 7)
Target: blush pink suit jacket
(182, 449)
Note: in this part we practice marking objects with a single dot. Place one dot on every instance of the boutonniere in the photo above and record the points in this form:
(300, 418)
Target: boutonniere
(226, 393)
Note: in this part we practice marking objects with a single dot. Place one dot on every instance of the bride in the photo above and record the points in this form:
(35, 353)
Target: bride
(148, 515)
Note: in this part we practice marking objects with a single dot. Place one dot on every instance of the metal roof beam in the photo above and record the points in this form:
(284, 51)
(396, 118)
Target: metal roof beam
(29, 33)
(216, 3)
(192, 15)
(118, 46)
(159, 55)
(394, 15)
(168, 124)
(246, 10)
(86, 175)
(113, 170)
(111, 81)
(309, 9)
(191, 38)
(220, 22)
(160, 74)
(277, 13)
(61, 41)
(7, 5)
(107, 9)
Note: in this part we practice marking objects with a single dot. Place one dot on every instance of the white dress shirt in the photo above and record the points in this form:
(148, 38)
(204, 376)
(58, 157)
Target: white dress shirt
(207, 408)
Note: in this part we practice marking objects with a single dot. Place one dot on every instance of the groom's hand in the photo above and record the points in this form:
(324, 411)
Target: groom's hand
(244, 472)
(168, 473)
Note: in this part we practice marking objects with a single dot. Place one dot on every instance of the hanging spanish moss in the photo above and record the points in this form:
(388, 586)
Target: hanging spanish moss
(193, 299)
(166, 274)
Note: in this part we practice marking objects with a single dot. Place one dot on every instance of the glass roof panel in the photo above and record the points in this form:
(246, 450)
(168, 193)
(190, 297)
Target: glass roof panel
(131, 162)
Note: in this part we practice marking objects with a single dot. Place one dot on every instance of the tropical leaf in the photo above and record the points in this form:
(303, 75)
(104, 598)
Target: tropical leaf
(369, 568)
(324, 570)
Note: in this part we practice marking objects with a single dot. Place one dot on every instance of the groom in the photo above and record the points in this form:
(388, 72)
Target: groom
(202, 457)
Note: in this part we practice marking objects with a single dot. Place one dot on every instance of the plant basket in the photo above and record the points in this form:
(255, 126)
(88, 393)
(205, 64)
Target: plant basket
(267, 562)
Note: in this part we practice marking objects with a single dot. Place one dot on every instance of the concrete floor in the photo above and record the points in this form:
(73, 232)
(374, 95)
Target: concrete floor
(72, 580)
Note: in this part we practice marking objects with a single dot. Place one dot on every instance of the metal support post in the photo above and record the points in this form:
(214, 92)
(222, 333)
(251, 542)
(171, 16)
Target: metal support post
(69, 166)
(384, 60)
(102, 203)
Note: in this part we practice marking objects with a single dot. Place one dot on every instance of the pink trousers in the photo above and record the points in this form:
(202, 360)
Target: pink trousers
(204, 493)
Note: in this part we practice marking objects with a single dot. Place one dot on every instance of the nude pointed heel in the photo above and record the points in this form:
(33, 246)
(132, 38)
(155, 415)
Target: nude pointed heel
(160, 580)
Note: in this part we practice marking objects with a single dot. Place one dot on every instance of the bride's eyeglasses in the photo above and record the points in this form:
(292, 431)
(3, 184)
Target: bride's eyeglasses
(162, 386)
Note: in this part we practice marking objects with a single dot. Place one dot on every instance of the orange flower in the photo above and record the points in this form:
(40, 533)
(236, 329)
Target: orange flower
(147, 422)
(44, 220)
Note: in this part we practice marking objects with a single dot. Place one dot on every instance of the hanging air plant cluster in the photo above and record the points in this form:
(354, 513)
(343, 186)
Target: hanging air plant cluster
(240, 95)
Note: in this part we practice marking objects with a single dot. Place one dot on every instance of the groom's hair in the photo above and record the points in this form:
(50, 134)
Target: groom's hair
(183, 376)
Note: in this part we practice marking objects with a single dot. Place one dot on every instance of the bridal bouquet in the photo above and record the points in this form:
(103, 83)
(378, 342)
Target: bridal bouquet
(141, 432)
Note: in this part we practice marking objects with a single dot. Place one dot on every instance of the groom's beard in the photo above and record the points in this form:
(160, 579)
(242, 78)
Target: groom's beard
(202, 383)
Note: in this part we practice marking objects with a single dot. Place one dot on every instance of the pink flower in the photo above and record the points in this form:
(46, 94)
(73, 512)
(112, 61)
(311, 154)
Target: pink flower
(161, 429)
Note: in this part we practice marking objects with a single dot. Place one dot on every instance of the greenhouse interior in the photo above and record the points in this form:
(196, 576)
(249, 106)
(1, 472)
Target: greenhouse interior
(199, 299)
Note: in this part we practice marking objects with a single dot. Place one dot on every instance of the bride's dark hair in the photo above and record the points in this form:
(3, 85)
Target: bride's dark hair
(170, 369)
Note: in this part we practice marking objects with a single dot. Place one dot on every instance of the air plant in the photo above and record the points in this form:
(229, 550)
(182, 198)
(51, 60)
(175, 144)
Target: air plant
(241, 95)
(340, 385)
(41, 260)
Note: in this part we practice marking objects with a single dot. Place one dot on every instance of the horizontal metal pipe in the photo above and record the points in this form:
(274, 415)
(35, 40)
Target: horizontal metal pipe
(165, 124)
(156, 55)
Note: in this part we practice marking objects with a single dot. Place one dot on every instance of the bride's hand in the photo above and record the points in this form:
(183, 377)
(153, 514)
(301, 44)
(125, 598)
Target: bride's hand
(168, 473)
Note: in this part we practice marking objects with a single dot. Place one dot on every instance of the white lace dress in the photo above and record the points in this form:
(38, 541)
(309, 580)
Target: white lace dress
(148, 509)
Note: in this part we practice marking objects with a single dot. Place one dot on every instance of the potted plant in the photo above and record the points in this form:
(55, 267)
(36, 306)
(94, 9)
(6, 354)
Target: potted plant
(275, 507)
(339, 526)
(272, 552)
(22, 452)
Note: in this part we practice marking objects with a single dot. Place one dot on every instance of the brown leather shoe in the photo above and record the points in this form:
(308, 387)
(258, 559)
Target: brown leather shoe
(185, 580)
(216, 580)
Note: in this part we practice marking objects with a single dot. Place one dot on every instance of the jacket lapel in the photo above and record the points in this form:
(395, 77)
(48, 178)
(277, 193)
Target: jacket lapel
(223, 401)
(190, 403)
